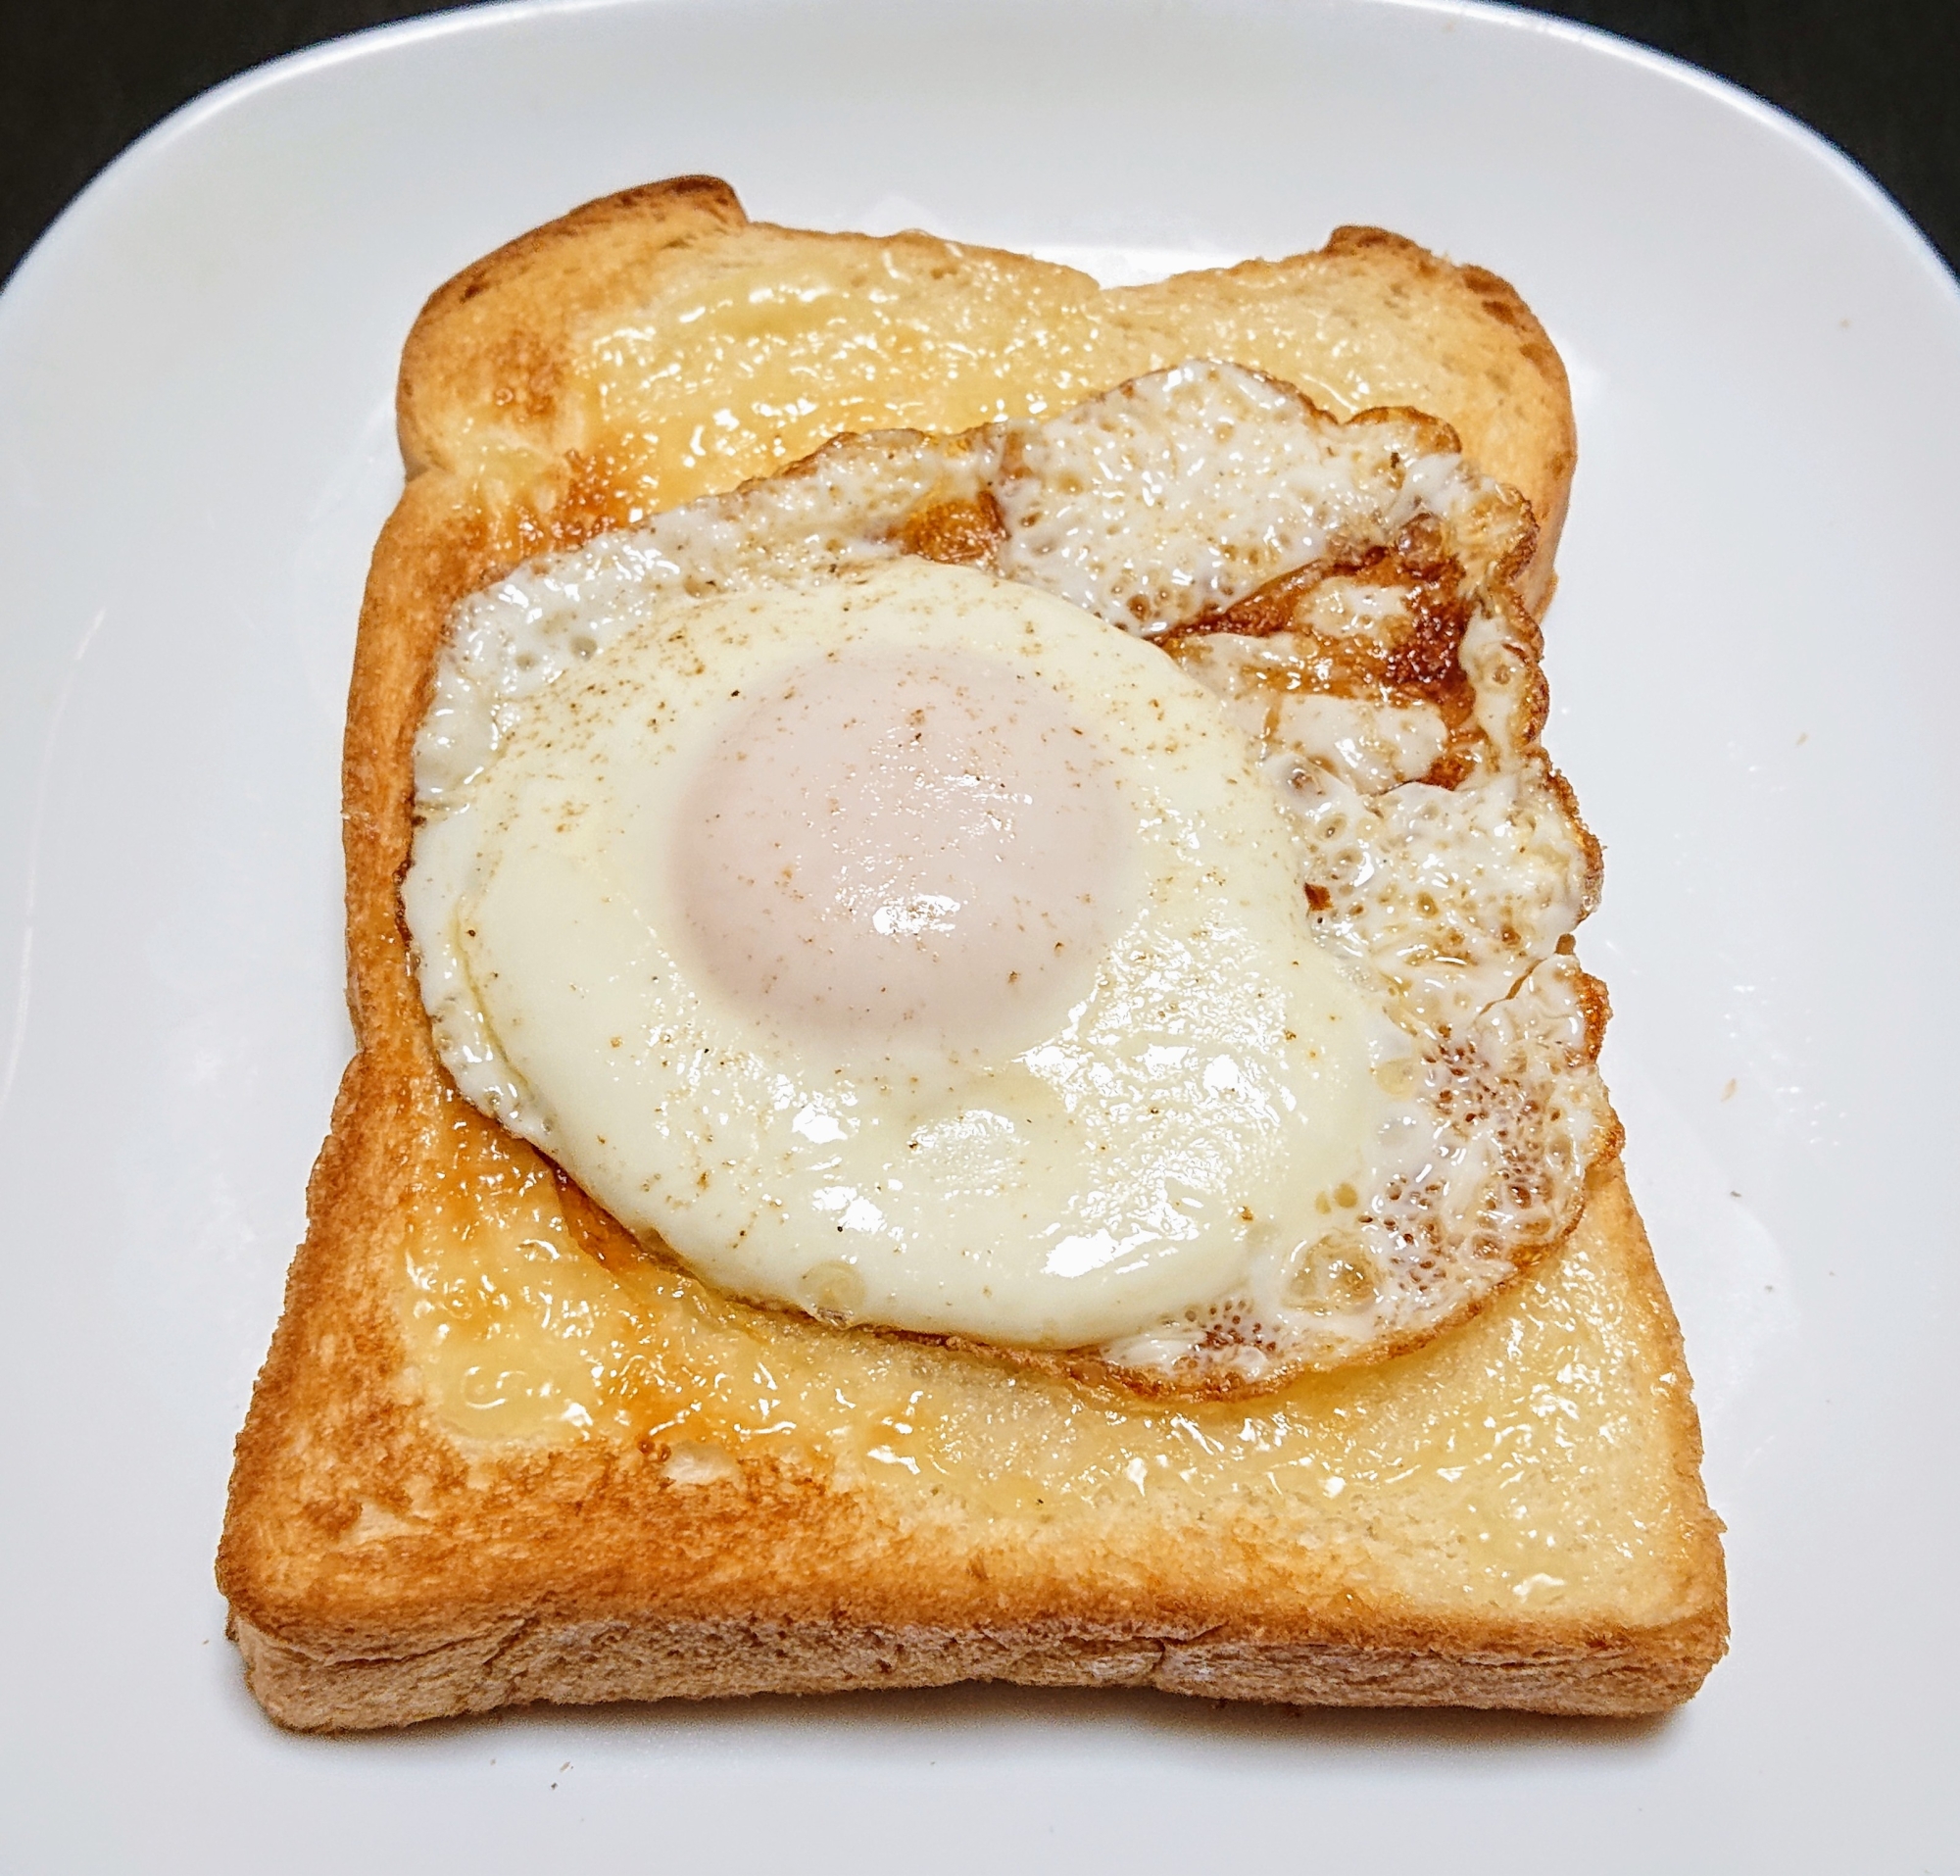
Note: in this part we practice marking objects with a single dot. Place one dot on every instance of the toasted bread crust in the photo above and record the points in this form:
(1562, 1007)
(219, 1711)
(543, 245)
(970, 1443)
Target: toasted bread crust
(581, 1662)
(382, 1568)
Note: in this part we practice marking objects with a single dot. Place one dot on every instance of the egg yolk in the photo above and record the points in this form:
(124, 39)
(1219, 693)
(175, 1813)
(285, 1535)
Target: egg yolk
(889, 850)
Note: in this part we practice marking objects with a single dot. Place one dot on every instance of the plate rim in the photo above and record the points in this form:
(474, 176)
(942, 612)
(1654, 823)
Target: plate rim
(491, 15)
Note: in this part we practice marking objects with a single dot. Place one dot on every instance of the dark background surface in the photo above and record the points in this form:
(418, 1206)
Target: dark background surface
(79, 79)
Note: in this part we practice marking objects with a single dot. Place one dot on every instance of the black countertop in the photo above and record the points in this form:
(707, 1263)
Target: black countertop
(79, 79)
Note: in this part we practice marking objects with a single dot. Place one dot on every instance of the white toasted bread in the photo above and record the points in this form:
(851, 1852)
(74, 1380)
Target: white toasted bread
(499, 1454)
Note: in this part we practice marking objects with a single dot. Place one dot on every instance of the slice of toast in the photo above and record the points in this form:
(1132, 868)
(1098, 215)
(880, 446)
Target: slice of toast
(495, 1454)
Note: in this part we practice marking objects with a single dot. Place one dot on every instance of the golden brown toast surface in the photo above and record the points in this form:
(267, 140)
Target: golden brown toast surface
(656, 345)
(495, 1454)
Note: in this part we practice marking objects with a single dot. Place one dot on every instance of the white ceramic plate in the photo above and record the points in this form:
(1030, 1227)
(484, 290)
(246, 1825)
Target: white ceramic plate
(1754, 670)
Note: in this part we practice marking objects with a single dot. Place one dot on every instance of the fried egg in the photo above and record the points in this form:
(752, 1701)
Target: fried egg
(910, 946)
(1088, 886)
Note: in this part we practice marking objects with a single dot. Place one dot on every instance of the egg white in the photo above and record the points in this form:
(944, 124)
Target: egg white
(1056, 1175)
